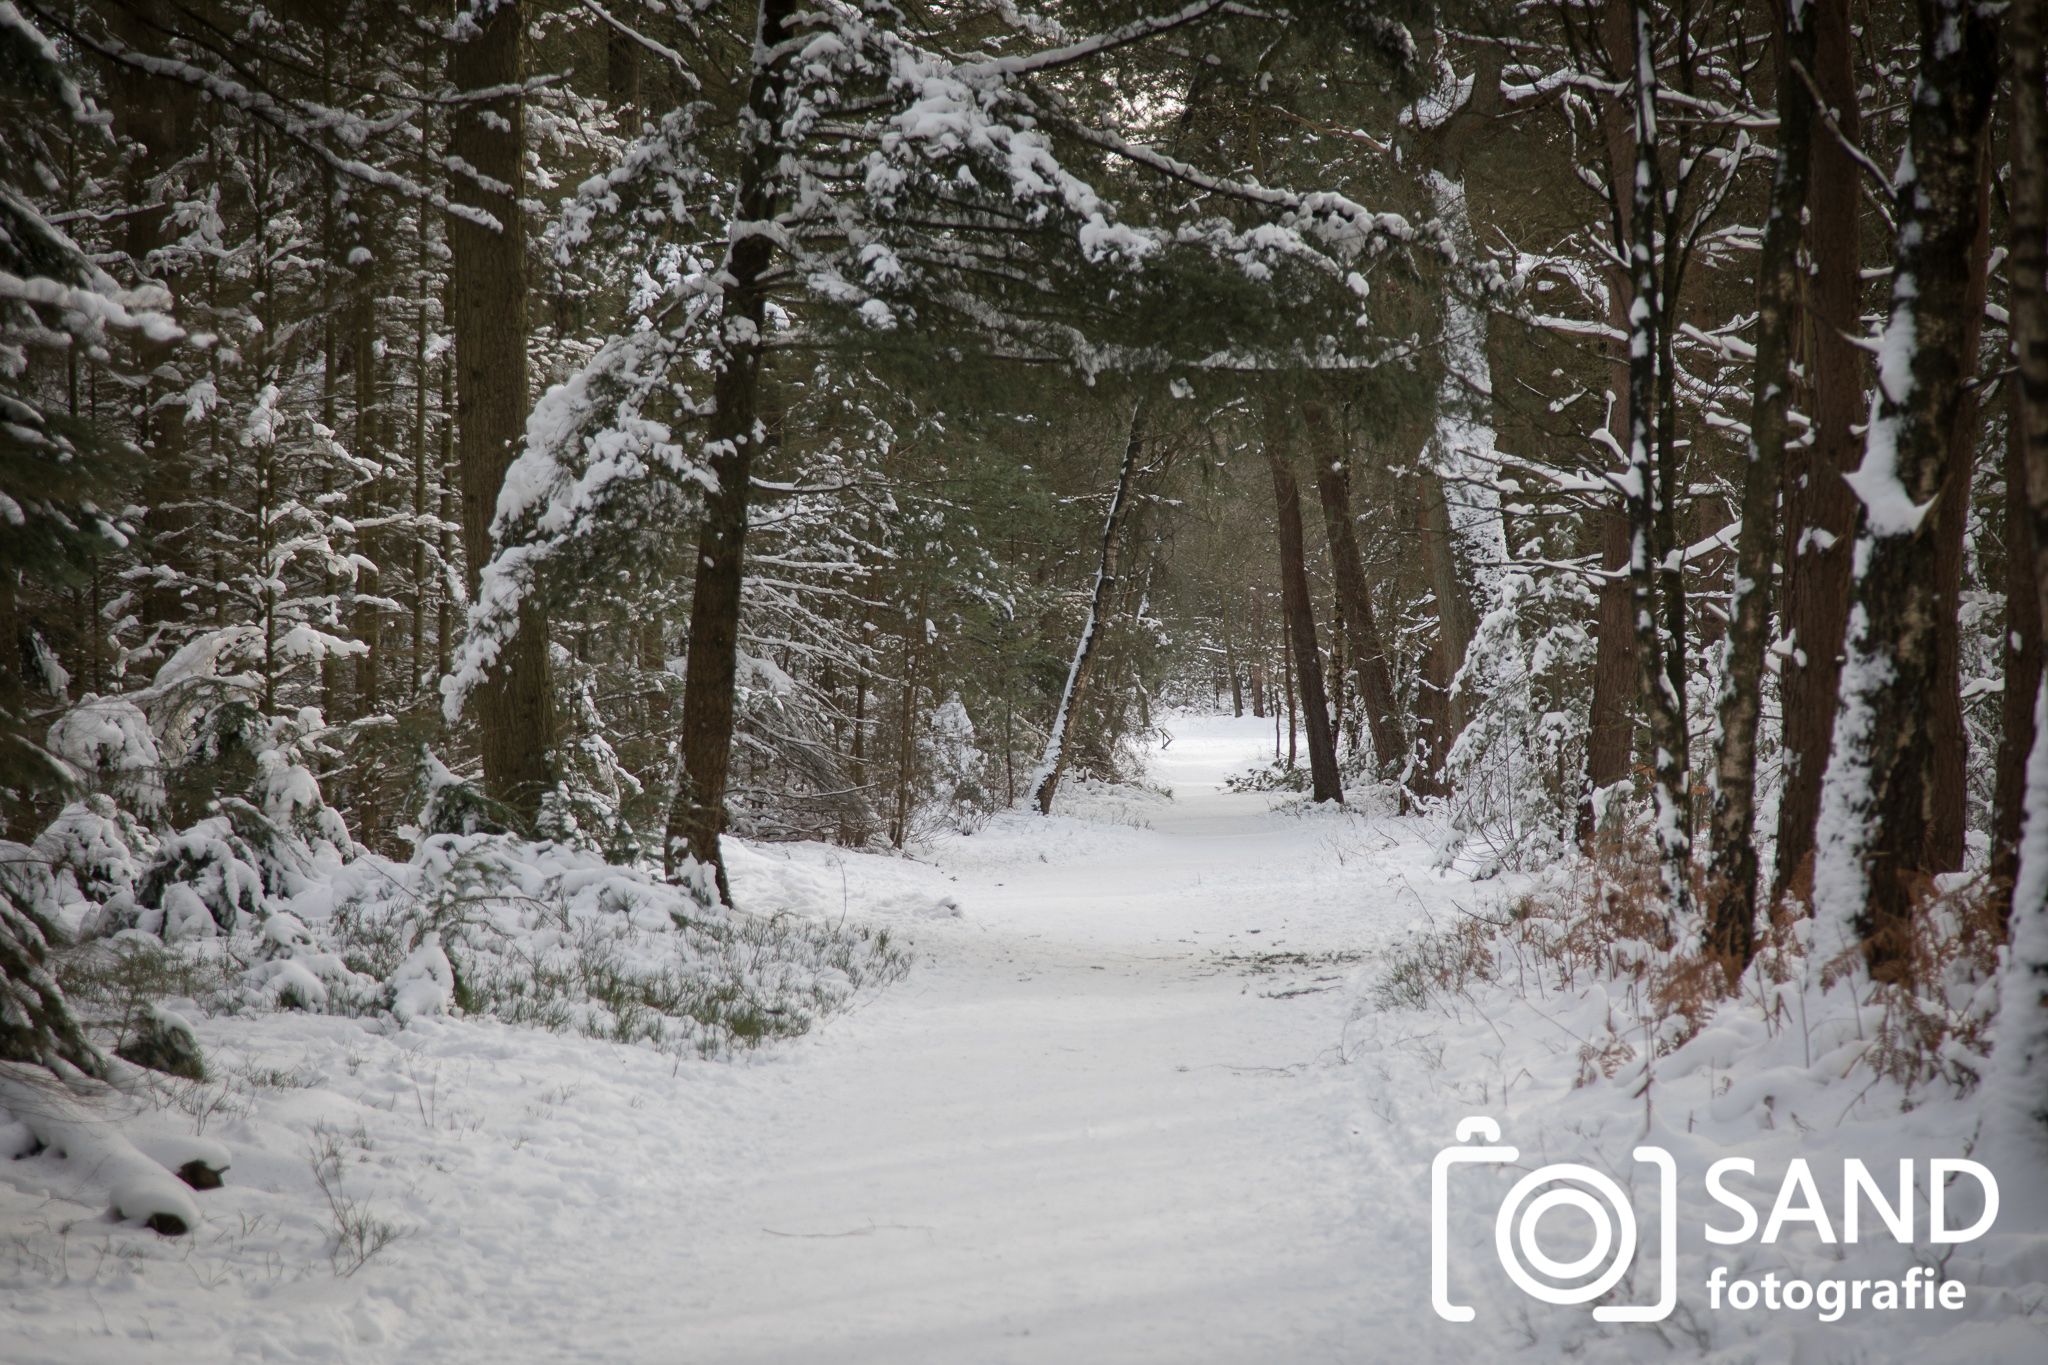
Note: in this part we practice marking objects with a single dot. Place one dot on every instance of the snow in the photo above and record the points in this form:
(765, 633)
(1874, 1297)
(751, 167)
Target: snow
(1136, 1102)
(424, 983)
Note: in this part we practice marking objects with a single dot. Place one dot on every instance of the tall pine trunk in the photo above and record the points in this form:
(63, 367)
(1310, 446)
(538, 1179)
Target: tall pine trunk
(515, 707)
(1949, 799)
(1610, 739)
(1324, 781)
(1871, 871)
(711, 663)
(2026, 470)
(1733, 867)
(1820, 511)
(2022, 645)
(1354, 602)
(2020, 1055)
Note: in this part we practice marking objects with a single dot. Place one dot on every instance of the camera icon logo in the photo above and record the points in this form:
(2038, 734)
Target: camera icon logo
(1561, 1185)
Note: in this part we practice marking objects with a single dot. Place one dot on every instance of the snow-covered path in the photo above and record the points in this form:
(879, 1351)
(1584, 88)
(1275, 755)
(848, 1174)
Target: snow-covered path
(1104, 1119)
(1097, 1122)
(1125, 1108)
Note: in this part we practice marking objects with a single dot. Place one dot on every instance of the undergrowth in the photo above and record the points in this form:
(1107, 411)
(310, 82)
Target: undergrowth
(1605, 925)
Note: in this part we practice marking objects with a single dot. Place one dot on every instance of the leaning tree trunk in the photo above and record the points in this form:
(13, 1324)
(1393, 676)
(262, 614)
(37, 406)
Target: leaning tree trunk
(1053, 764)
(736, 433)
(515, 704)
(1820, 511)
(1870, 870)
(1733, 867)
(1301, 626)
(1354, 601)
(1648, 487)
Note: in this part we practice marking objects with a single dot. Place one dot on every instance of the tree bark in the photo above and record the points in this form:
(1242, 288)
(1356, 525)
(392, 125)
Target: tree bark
(515, 704)
(1731, 924)
(1354, 601)
(1610, 740)
(2022, 644)
(1257, 665)
(1453, 603)
(1054, 762)
(1820, 511)
(711, 663)
(1656, 592)
(1301, 623)
(2022, 1049)
(1951, 739)
(1230, 663)
(1871, 871)
(160, 117)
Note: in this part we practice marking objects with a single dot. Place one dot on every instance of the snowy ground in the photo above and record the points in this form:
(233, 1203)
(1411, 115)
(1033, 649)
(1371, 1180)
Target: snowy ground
(1125, 1108)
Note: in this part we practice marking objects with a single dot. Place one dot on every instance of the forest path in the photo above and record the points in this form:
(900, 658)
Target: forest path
(1104, 1119)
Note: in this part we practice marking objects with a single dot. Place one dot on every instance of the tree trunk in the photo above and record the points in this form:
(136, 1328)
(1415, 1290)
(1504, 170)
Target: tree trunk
(1287, 676)
(2020, 1057)
(1258, 659)
(1301, 625)
(1230, 663)
(1870, 871)
(1053, 763)
(2022, 648)
(1732, 922)
(160, 117)
(1610, 740)
(416, 662)
(515, 704)
(906, 726)
(367, 620)
(622, 80)
(1354, 601)
(1944, 833)
(711, 663)
(1656, 593)
(1820, 511)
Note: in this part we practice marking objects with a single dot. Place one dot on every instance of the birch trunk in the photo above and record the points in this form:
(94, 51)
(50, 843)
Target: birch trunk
(1053, 763)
